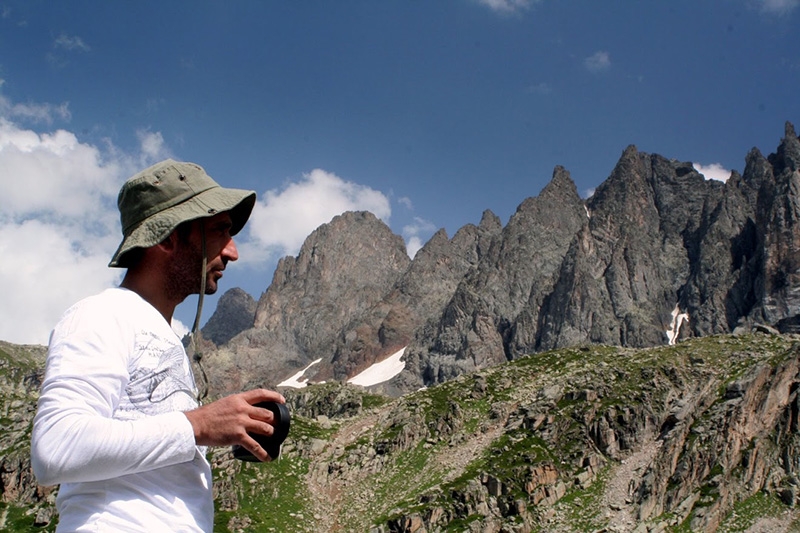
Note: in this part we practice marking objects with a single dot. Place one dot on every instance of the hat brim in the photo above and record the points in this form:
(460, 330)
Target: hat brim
(157, 227)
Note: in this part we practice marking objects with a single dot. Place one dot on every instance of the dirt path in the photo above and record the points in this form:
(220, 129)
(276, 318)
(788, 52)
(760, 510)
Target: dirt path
(618, 497)
(788, 523)
(326, 490)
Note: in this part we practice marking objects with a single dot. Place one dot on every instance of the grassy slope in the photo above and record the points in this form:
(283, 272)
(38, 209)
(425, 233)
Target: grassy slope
(411, 455)
(422, 432)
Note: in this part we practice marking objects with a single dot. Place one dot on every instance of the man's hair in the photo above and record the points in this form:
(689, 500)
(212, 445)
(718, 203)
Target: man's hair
(183, 230)
(133, 257)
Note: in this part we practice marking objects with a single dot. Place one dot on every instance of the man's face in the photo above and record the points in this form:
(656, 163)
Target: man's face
(220, 248)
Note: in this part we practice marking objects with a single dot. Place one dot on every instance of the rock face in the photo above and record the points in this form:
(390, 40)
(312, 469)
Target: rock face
(344, 268)
(235, 313)
(418, 297)
(21, 374)
(656, 255)
(478, 326)
(778, 225)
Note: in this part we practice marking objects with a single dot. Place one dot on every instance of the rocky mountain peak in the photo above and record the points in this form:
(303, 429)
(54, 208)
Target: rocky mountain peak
(490, 222)
(344, 268)
(235, 313)
(628, 161)
(355, 254)
(658, 254)
(788, 154)
(559, 186)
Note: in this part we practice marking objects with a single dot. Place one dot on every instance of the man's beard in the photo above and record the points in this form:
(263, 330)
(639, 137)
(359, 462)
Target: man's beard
(185, 273)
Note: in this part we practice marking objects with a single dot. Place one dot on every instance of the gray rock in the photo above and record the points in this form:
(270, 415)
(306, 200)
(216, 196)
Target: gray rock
(235, 313)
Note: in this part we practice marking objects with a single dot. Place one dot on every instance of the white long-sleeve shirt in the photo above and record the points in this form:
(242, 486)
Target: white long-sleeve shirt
(110, 426)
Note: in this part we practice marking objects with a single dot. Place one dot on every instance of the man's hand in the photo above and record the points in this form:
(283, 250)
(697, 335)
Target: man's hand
(228, 420)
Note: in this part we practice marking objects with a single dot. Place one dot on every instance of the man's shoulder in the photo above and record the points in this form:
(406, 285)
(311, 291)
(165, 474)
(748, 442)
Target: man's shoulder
(113, 305)
(110, 299)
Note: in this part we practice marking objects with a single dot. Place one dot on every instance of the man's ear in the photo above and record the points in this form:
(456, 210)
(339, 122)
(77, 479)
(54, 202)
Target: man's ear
(169, 244)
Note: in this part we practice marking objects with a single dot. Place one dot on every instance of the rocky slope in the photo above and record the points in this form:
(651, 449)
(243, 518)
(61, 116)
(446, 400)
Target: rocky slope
(701, 436)
(23, 504)
(657, 254)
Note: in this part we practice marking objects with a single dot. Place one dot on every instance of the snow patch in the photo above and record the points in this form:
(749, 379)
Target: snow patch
(380, 372)
(294, 381)
(675, 327)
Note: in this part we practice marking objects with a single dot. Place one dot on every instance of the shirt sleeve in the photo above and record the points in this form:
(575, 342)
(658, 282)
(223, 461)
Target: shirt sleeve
(75, 438)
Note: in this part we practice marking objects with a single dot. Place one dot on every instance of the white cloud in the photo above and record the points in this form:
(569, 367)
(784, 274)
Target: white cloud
(406, 202)
(413, 245)
(413, 234)
(59, 223)
(508, 6)
(179, 327)
(153, 146)
(778, 7)
(62, 46)
(36, 113)
(68, 42)
(52, 174)
(283, 219)
(597, 62)
(58, 220)
(52, 268)
(714, 171)
(542, 88)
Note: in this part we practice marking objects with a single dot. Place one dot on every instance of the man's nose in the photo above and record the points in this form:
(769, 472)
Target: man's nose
(230, 252)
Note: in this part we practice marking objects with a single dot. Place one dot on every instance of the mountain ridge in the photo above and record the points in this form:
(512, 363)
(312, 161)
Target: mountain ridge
(655, 239)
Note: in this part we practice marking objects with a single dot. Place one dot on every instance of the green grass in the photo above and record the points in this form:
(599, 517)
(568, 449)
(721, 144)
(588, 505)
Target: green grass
(373, 401)
(305, 428)
(272, 495)
(581, 507)
(747, 512)
(20, 519)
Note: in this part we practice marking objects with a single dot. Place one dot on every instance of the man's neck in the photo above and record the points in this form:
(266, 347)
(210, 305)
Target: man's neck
(151, 294)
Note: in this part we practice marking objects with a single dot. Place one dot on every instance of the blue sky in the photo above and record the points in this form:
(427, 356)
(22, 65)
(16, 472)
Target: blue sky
(424, 112)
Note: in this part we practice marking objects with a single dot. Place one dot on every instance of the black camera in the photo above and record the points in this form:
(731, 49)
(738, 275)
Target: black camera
(271, 443)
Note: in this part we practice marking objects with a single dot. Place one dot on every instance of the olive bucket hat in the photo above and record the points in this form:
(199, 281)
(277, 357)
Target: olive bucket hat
(156, 200)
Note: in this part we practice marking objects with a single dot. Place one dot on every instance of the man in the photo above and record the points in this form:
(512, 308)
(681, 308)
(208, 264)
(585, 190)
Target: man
(118, 423)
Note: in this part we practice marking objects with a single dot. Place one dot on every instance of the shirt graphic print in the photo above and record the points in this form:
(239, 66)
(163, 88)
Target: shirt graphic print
(161, 378)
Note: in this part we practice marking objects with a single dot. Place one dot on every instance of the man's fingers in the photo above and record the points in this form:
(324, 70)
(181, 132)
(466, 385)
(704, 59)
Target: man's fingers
(263, 395)
(256, 449)
(263, 415)
(262, 428)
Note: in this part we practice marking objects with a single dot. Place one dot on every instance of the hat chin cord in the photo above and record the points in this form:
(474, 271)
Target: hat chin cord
(196, 335)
